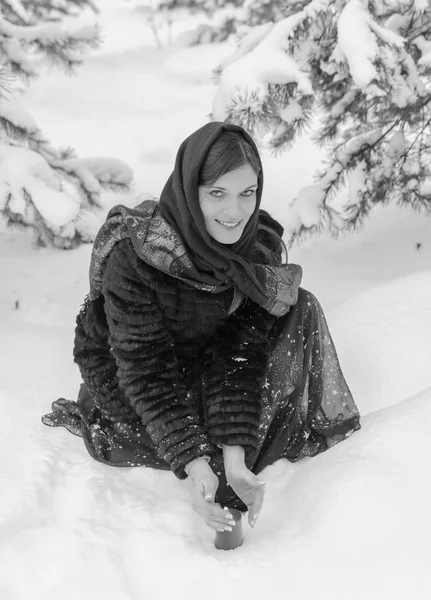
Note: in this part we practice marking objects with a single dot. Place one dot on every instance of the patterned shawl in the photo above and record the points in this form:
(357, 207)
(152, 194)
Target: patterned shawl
(159, 244)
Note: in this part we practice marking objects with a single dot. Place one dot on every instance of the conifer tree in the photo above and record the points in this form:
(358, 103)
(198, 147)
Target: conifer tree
(361, 70)
(222, 17)
(22, 12)
(49, 190)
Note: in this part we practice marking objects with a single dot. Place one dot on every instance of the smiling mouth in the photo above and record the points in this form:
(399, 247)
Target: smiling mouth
(229, 224)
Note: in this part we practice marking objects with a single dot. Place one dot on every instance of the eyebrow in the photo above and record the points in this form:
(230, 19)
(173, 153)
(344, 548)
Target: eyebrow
(217, 187)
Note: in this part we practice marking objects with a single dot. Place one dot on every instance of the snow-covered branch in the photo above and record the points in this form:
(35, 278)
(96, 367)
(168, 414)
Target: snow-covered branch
(362, 67)
(23, 40)
(49, 190)
(39, 187)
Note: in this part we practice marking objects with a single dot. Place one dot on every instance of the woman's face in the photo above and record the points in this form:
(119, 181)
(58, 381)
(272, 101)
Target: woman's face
(228, 204)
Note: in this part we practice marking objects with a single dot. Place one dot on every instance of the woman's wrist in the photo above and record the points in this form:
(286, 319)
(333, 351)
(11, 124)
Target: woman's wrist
(233, 456)
(197, 461)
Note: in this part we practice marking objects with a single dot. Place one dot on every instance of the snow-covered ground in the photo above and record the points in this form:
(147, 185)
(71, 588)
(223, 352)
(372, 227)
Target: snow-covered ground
(350, 523)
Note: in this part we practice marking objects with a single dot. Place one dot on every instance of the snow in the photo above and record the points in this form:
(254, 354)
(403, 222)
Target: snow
(375, 53)
(357, 184)
(291, 112)
(357, 43)
(19, 10)
(356, 143)
(425, 59)
(12, 48)
(425, 187)
(307, 207)
(92, 170)
(339, 107)
(49, 33)
(424, 46)
(25, 174)
(388, 36)
(421, 5)
(397, 22)
(260, 60)
(395, 149)
(351, 523)
(55, 205)
(11, 110)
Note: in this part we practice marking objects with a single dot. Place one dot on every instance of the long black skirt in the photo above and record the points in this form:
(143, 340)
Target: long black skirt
(307, 406)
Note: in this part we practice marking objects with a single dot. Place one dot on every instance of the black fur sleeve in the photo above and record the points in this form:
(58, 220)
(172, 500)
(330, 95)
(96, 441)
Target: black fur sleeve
(147, 368)
(234, 374)
(96, 364)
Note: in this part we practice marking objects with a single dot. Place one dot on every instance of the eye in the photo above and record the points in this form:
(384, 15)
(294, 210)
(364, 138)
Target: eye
(219, 193)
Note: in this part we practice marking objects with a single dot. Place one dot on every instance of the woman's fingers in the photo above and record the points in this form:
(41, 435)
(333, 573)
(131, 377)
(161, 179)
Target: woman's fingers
(246, 491)
(256, 507)
(219, 523)
(203, 492)
(215, 517)
(248, 496)
(220, 514)
(249, 488)
(213, 514)
(224, 522)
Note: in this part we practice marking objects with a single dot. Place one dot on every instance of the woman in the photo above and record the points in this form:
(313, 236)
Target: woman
(198, 350)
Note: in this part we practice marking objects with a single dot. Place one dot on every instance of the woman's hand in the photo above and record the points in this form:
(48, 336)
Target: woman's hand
(204, 484)
(249, 488)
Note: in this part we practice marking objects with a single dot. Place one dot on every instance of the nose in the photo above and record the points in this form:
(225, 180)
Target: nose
(233, 209)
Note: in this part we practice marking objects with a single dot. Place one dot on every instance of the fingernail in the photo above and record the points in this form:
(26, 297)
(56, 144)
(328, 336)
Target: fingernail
(231, 522)
(261, 482)
(228, 528)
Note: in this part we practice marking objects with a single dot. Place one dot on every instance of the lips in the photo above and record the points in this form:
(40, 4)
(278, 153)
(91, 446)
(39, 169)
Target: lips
(229, 224)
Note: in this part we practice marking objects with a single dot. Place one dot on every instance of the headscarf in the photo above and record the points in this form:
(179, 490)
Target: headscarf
(179, 205)
(171, 235)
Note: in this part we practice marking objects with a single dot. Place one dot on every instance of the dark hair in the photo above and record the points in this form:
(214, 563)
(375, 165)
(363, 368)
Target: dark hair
(229, 152)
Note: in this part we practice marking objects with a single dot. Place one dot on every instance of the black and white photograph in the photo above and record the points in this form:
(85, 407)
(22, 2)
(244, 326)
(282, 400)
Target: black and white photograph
(215, 292)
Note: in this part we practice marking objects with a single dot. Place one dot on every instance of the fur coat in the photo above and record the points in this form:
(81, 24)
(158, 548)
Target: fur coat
(150, 338)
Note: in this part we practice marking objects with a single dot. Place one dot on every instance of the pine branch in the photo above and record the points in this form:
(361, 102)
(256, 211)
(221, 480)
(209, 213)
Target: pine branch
(55, 42)
(370, 79)
(43, 235)
(250, 110)
(287, 133)
(418, 136)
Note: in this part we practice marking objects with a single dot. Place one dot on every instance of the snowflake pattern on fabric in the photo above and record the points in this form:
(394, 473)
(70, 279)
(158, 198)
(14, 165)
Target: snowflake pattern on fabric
(307, 406)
